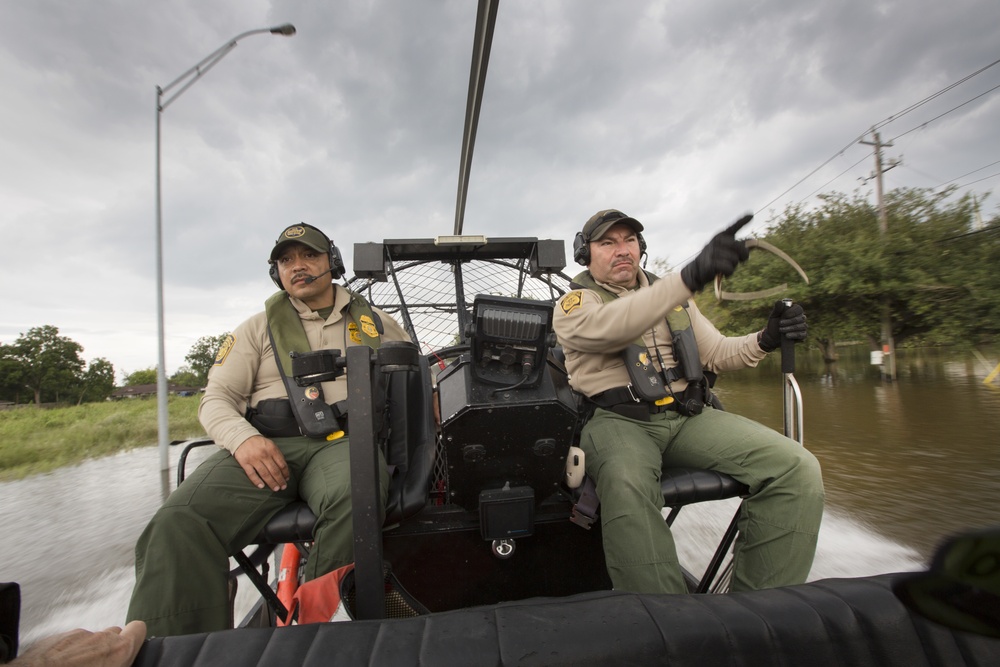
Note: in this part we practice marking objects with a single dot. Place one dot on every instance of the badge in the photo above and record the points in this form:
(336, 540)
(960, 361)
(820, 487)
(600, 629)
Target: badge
(368, 327)
(224, 349)
(352, 329)
(571, 302)
(312, 393)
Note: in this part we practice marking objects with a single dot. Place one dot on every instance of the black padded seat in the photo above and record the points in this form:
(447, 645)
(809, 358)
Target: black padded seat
(834, 622)
(683, 486)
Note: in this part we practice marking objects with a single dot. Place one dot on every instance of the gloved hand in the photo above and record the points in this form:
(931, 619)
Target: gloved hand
(721, 256)
(789, 322)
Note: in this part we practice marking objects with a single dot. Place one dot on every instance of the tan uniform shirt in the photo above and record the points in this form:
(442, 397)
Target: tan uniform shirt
(593, 333)
(246, 373)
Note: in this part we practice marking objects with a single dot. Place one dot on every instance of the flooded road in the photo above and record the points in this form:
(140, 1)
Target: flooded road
(905, 464)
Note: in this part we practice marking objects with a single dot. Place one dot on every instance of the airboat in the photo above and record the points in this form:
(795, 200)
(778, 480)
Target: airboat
(488, 550)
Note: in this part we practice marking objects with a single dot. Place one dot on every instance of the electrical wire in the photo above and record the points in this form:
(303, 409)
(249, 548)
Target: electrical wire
(883, 123)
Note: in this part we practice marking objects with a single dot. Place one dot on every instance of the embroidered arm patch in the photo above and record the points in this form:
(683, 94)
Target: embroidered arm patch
(571, 302)
(224, 350)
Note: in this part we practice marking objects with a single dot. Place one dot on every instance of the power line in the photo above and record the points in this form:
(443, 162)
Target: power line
(927, 99)
(885, 122)
(939, 116)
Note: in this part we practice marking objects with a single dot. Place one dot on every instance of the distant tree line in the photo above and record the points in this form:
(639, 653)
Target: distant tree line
(936, 267)
(43, 367)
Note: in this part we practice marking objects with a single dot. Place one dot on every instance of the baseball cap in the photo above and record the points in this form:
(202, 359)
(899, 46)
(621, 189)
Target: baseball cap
(304, 234)
(602, 221)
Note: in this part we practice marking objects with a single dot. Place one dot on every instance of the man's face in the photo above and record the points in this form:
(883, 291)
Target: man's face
(614, 258)
(297, 262)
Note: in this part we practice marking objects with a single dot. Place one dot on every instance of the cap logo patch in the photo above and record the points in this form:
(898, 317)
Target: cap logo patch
(571, 302)
(294, 232)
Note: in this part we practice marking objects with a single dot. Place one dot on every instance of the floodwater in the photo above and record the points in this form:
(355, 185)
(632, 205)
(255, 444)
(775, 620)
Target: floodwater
(905, 464)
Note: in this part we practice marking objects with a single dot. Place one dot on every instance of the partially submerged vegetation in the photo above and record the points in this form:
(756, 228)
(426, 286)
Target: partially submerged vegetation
(34, 440)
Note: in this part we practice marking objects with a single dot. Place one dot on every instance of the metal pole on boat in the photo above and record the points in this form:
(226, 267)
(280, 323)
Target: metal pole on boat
(188, 78)
(792, 394)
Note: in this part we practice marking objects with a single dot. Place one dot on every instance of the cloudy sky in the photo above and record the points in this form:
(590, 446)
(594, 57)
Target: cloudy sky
(684, 114)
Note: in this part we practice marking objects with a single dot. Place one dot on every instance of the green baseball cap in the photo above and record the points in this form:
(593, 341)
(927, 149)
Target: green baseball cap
(602, 221)
(302, 233)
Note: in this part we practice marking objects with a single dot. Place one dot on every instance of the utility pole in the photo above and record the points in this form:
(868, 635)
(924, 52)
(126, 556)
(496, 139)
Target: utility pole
(888, 343)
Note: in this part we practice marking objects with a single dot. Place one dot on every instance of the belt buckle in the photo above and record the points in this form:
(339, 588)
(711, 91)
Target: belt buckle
(635, 399)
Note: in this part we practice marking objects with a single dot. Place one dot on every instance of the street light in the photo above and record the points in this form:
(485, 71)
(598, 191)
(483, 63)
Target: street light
(190, 76)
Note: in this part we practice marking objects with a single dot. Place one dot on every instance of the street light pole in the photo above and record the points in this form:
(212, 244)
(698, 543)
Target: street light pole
(188, 78)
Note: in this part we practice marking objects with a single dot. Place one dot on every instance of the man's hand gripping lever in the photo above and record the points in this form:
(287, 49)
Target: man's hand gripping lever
(719, 258)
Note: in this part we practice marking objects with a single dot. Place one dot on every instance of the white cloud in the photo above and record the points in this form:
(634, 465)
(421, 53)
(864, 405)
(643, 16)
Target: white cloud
(684, 114)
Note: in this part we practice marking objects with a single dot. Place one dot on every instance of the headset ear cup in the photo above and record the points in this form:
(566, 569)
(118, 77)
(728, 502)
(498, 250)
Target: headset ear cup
(272, 271)
(642, 245)
(581, 250)
(336, 262)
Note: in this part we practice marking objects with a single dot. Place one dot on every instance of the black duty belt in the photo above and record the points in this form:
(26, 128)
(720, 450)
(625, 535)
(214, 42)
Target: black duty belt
(274, 418)
(625, 402)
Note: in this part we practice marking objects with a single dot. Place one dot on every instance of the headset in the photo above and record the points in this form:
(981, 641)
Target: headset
(337, 268)
(581, 248)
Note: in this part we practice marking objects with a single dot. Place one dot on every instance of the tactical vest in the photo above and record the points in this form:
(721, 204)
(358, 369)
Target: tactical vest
(684, 345)
(315, 417)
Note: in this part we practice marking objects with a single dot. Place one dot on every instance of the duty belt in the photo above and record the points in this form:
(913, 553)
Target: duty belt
(274, 418)
(625, 402)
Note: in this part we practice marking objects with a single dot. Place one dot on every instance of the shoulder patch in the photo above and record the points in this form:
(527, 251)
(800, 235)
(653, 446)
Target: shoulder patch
(571, 302)
(224, 350)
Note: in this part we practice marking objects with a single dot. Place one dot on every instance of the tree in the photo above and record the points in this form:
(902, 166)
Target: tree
(202, 356)
(49, 364)
(98, 381)
(143, 376)
(931, 265)
(11, 381)
(185, 377)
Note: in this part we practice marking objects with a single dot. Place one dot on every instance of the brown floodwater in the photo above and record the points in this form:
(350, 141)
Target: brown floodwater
(905, 464)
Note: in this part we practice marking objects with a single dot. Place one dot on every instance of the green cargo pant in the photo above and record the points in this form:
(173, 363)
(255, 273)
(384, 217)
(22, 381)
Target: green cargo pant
(779, 522)
(182, 557)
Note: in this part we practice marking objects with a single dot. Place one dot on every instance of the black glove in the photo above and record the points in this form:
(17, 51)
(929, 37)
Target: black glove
(790, 322)
(721, 256)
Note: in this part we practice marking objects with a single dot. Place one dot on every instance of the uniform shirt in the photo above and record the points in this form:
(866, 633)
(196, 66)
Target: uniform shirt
(246, 373)
(593, 333)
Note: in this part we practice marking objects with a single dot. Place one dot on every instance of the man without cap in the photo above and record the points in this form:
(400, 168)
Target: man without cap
(627, 335)
(264, 462)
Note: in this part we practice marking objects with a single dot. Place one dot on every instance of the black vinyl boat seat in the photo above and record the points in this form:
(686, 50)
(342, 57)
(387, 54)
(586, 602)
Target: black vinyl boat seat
(409, 451)
(828, 623)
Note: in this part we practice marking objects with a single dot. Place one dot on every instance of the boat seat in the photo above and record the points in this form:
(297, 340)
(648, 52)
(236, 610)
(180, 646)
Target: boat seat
(409, 451)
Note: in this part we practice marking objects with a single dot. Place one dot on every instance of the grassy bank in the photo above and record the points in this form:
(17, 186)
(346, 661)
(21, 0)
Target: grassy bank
(39, 440)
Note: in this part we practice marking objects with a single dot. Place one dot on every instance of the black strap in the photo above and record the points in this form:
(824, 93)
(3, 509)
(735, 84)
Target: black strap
(615, 396)
(585, 508)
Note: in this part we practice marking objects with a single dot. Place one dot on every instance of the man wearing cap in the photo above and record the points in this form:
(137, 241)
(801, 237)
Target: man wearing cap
(264, 462)
(638, 349)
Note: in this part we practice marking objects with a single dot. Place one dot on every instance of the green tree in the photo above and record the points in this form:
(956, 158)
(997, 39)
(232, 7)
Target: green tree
(11, 381)
(931, 265)
(185, 377)
(50, 364)
(202, 356)
(143, 376)
(98, 381)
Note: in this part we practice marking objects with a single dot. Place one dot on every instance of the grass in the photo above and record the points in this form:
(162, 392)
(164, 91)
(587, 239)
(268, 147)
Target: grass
(36, 440)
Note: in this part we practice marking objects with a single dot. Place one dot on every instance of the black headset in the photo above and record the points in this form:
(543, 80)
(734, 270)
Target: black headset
(337, 268)
(581, 248)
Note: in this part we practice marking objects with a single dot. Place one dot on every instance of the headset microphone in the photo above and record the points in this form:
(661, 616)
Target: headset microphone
(308, 280)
